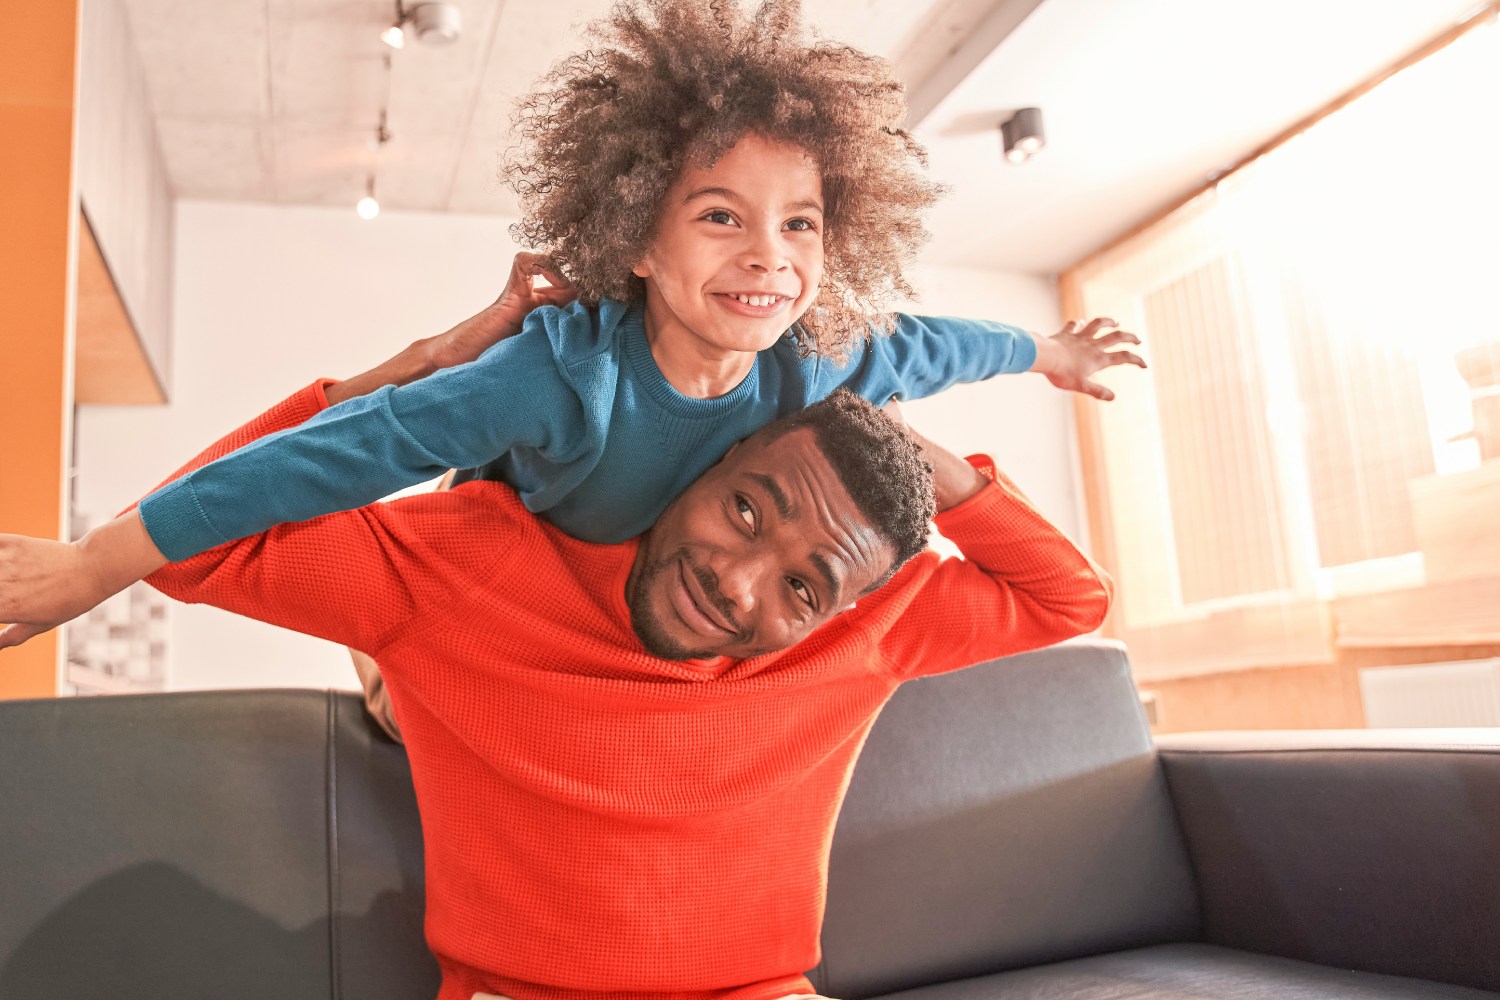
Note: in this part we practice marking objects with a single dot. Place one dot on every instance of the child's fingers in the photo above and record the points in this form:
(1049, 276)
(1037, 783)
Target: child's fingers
(1117, 337)
(1124, 358)
(14, 635)
(1098, 391)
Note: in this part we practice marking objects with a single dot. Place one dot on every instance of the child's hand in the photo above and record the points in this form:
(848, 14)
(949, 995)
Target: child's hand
(503, 318)
(44, 583)
(1070, 357)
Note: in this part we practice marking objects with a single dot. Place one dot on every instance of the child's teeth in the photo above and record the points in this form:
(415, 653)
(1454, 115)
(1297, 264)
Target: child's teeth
(756, 300)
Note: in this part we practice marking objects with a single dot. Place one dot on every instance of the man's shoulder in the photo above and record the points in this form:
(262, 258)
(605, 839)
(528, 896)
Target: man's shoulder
(471, 528)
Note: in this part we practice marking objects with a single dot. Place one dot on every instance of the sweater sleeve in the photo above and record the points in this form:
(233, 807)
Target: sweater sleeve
(926, 354)
(350, 455)
(1020, 585)
(355, 577)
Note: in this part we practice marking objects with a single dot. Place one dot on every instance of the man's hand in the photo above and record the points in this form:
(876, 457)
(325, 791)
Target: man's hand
(954, 480)
(1071, 357)
(503, 317)
(471, 338)
(44, 583)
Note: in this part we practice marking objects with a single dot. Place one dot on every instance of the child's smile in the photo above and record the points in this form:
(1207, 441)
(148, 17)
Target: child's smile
(736, 260)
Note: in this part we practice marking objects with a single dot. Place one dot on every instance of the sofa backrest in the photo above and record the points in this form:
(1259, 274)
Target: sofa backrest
(221, 844)
(1003, 816)
(266, 843)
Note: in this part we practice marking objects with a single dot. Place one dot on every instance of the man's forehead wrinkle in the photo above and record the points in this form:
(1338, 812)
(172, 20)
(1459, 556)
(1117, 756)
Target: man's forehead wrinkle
(830, 579)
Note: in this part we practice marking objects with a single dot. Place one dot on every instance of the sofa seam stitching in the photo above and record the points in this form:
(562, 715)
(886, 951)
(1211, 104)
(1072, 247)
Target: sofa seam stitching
(331, 804)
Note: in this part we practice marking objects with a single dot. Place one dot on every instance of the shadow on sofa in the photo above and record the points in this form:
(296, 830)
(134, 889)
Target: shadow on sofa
(1011, 832)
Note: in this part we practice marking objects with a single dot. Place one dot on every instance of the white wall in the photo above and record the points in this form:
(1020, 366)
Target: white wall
(267, 298)
(1020, 420)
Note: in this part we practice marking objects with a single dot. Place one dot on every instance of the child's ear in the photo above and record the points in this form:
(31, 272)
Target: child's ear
(641, 270)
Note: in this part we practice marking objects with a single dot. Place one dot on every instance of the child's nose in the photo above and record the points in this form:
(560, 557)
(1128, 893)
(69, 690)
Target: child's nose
(765, 254)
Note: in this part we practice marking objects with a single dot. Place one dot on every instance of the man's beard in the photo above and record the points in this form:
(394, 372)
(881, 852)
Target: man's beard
(646, 620)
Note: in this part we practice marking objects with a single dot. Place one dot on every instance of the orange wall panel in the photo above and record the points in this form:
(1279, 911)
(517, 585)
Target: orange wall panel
(37, 199)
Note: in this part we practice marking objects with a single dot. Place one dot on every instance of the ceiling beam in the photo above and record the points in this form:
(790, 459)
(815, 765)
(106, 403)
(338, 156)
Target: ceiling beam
(952, 41)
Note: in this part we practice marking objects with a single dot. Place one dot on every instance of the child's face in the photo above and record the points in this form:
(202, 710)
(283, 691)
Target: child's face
(749, 227)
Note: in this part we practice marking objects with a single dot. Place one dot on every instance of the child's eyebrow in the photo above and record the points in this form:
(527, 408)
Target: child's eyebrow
(728, 195)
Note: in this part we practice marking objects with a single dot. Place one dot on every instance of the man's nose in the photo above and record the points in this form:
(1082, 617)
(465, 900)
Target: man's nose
(742, 579)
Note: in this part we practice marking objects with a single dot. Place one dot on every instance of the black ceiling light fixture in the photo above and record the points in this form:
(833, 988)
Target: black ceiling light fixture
(1023, 134)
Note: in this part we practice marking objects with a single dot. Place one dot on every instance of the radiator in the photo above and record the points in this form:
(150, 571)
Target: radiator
(1432, 694)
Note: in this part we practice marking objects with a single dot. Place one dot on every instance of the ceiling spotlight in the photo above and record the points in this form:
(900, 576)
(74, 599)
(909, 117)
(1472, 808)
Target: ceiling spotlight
(430, 23)
(368, 207)
(1023, 134)
(436, 23)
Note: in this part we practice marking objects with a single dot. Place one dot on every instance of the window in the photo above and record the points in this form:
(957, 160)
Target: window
(1312, 460)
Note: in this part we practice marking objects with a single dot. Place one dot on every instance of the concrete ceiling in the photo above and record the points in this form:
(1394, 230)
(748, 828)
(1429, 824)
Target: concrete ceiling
(278, 100)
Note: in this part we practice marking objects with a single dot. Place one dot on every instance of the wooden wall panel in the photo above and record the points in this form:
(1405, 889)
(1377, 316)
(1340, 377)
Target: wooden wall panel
(112, 366)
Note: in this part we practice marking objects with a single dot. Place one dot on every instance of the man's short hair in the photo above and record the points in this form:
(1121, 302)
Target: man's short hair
(881, 466)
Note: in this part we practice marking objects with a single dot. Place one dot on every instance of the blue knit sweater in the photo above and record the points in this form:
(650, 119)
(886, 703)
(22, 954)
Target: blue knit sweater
(575, 415)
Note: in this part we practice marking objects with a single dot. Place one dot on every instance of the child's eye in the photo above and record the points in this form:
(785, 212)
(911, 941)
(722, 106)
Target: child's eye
(745, 510)
(801, 225)
(800, 589)
(719, 217)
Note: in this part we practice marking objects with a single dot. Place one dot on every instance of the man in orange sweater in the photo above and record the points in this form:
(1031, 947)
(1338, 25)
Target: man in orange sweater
(629, 758)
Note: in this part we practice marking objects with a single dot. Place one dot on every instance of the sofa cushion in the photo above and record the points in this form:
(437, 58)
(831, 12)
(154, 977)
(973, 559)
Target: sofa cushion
(234, 844)
(1190, 972)
(1001, 816)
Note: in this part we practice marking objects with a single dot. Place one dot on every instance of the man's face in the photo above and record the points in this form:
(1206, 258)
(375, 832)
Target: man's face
(762, 549)
(737, 255)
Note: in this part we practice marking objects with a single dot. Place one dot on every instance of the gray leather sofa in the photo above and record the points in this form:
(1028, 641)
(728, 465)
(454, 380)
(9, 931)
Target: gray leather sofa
(1011, 833)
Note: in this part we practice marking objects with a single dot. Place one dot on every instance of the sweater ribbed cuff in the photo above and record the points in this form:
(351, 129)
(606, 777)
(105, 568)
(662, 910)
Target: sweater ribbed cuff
(176, 522)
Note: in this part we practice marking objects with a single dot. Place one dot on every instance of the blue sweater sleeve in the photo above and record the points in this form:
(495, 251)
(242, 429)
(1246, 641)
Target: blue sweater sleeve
(352, 454)
(927, 354)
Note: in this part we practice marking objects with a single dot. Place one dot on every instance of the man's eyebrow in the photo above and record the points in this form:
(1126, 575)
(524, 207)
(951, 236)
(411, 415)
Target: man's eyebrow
(778, 495)
(825, 570)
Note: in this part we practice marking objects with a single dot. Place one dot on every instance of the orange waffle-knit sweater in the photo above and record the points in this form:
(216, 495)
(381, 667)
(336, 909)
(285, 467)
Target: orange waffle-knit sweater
(601, 824)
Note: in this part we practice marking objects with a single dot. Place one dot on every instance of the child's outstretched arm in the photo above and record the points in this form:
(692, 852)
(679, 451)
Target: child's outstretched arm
(923, 355)
(44, 582)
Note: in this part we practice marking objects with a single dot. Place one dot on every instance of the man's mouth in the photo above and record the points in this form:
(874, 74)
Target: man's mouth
(695, 608)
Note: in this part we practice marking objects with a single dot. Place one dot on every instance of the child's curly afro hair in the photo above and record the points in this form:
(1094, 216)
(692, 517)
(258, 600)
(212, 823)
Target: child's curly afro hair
(604, 134)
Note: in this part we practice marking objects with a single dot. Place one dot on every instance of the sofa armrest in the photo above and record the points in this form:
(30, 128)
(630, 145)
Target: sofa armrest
(1361, 849)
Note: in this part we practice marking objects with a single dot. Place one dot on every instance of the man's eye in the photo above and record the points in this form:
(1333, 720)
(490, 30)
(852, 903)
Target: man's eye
(719, 216)
(801, 590)
(746, 512)
(800, 225)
